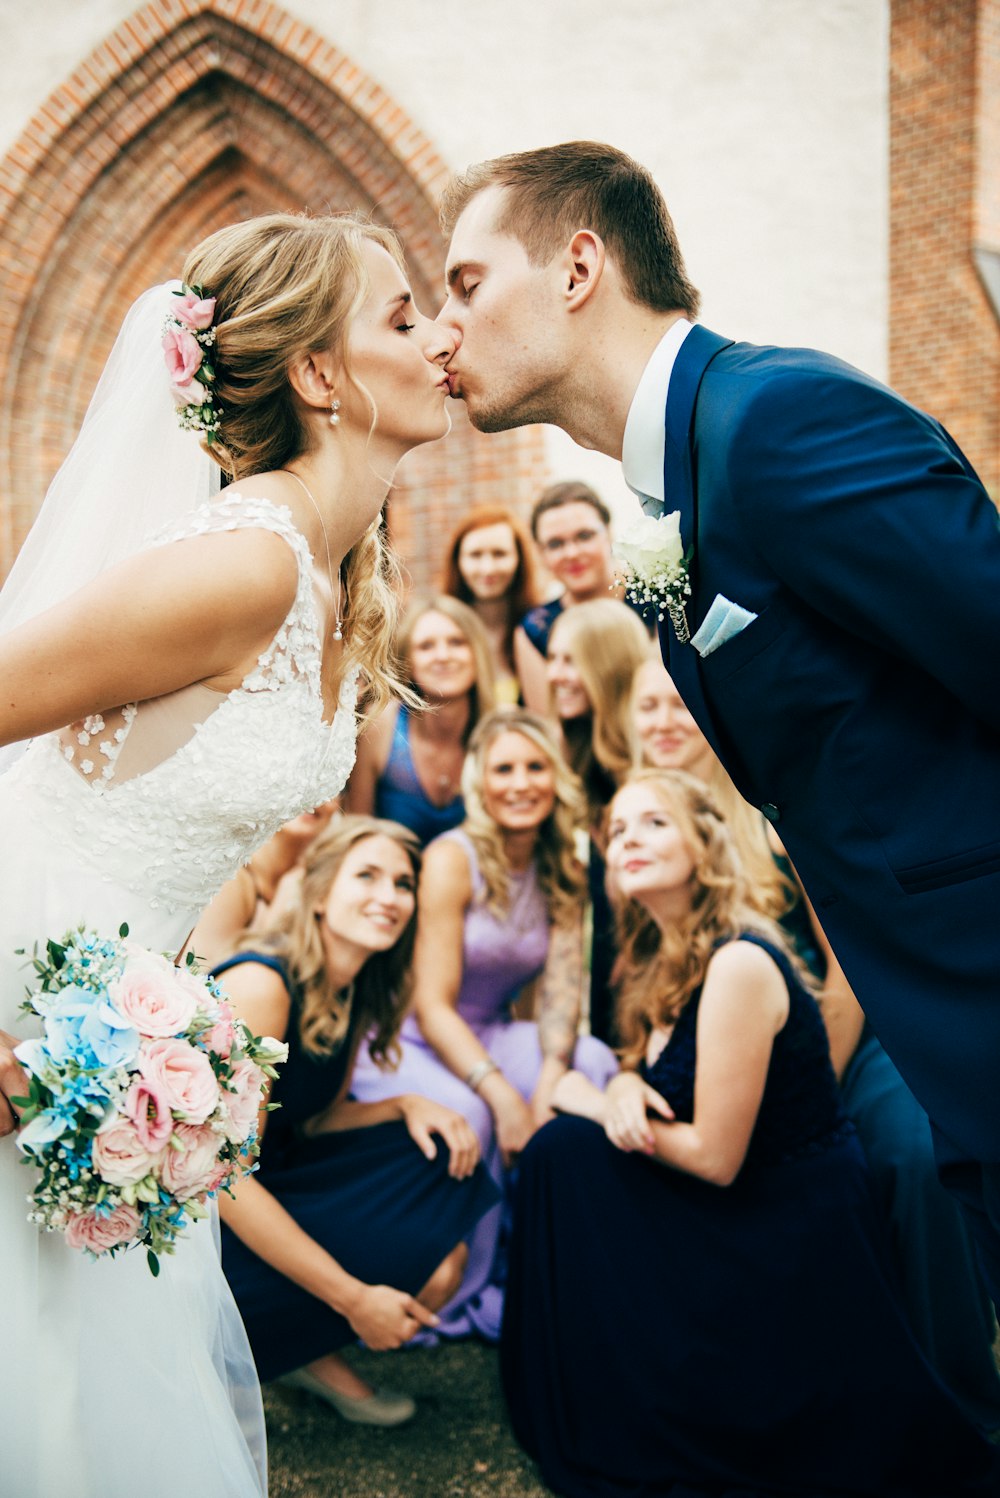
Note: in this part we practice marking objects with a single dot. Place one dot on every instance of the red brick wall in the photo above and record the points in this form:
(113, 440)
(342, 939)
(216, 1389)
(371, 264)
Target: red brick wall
(944, 343)
(193, 114)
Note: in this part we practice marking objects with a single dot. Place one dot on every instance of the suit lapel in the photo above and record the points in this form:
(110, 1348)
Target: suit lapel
(694, 356)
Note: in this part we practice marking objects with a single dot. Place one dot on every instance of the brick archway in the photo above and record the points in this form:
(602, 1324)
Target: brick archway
(187, 118)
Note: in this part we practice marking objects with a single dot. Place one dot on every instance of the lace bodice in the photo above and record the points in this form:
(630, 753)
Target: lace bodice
(234, 768)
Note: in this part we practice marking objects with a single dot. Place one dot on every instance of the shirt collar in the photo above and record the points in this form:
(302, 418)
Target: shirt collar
(643, 443)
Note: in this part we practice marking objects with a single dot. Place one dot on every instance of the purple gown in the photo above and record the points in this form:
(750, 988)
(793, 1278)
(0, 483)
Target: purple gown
(498, 958)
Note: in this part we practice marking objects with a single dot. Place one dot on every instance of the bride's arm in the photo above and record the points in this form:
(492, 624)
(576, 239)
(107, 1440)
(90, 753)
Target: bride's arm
(381, 1315)
(199, 609)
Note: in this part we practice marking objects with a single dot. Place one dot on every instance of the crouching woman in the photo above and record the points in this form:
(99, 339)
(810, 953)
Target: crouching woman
(354, 1226)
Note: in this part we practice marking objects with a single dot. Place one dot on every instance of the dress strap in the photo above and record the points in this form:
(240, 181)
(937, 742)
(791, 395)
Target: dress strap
(263, 959)
(460, 836)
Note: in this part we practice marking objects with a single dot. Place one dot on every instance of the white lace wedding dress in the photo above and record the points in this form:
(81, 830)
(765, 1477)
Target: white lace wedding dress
(112, 1382)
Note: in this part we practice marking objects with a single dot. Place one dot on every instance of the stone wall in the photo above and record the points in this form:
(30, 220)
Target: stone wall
(128, 133)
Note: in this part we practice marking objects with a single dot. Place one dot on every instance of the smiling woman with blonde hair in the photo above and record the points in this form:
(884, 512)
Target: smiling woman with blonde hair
(501, 904)
(689, 1237)
(409, 762)
(354, 1225)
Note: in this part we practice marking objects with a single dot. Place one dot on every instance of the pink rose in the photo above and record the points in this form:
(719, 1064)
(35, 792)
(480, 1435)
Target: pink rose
(220, 1038)
(182, 353)
(152, 995)
(147, 1107)
(194, 311)
(240, 1106)
(196, 1168)
(120, 1157)
(184, 1076)
(88, 1230)
(191, 394)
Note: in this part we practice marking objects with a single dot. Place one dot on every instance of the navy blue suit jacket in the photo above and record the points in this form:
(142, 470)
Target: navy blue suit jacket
(861, 708)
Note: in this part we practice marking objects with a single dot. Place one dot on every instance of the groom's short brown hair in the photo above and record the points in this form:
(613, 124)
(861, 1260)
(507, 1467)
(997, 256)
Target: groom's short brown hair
(553, 192)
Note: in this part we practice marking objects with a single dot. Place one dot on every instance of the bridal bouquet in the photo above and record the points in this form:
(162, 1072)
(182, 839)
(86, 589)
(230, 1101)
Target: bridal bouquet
(143, 1098)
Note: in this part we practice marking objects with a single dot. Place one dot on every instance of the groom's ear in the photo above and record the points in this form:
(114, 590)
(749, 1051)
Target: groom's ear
(583, 267)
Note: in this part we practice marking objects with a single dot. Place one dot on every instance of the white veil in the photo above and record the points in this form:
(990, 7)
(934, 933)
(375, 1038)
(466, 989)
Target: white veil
(129, 473)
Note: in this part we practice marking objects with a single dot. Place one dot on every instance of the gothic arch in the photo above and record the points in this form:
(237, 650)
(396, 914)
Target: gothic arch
(190, 116)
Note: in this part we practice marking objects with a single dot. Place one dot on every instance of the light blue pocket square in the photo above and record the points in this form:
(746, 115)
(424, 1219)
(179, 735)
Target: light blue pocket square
(723, 620)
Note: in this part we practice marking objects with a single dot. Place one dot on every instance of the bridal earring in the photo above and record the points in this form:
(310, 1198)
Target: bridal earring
(335, 412)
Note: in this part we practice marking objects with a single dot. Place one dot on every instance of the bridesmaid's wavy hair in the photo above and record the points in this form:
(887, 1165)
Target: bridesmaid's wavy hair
(379, 994)
(769, 890)
(606, 641)
(483, 693)
(658, 970)
(287, 285)
(561, 874)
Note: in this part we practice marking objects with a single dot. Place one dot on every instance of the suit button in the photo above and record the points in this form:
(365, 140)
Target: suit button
(770, 811)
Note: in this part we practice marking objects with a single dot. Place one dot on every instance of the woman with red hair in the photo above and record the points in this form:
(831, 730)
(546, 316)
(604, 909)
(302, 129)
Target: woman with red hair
(489, 566)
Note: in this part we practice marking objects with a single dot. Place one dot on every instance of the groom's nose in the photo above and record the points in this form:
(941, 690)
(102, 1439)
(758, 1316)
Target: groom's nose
(449, 318)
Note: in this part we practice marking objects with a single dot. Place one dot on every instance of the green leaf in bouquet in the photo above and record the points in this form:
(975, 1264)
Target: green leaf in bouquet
(153, 1262)
(57, 953)
(123, 930)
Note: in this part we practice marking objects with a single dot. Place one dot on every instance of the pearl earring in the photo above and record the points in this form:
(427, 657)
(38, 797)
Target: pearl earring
(335, 412)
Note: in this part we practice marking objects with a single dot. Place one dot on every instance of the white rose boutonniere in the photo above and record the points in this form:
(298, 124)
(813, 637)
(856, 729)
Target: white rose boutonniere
(655, 568)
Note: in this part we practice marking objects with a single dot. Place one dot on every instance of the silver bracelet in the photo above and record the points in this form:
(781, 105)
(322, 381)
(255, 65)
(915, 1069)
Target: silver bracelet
(479, 1073)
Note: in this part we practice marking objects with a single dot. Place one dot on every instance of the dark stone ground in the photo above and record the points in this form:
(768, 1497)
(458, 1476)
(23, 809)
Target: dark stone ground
(458, 1444)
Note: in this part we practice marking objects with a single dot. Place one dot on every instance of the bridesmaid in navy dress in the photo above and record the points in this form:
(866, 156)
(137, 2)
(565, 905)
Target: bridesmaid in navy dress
(409, 764)
(699, 1300)
(354, 1226)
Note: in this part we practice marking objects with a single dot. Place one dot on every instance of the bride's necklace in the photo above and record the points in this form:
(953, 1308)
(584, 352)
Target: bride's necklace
(338, 633)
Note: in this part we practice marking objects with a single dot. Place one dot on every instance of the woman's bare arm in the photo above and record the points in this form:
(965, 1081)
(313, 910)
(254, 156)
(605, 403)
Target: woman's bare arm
(200, 609)
(224, 919)
(531, 671)
(381, 1315)
(444, 896)
(744, 1003)
(374, 745)
(842, 1014)
(558, 1007)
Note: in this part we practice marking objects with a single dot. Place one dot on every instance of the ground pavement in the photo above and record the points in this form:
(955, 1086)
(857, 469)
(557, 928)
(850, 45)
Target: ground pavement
(458, 1445)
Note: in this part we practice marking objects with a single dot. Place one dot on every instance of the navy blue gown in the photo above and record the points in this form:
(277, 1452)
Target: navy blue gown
(666, 1338)
(386, 1213)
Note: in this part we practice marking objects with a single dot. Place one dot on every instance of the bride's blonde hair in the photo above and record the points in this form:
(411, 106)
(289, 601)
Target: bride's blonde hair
(285, 285)
(380, 991)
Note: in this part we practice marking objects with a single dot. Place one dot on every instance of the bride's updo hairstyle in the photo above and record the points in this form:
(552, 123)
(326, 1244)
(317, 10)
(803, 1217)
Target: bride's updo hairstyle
(287, 285)
(377, 1000)
(658, 970)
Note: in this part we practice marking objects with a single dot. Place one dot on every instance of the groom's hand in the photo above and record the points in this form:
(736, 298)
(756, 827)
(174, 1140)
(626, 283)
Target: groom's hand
(13, 1083)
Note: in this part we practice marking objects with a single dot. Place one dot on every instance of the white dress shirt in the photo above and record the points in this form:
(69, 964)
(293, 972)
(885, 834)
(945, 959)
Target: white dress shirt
(644, 440)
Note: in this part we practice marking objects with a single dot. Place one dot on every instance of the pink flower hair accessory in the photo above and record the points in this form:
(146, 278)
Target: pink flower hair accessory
(188, 340)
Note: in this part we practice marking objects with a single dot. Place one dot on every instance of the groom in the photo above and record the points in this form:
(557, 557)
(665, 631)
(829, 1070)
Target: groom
(848, 560)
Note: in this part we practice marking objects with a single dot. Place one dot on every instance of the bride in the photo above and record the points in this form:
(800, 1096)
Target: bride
(185, 669)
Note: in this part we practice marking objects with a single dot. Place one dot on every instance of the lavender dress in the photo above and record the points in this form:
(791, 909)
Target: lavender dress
(499, 958)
